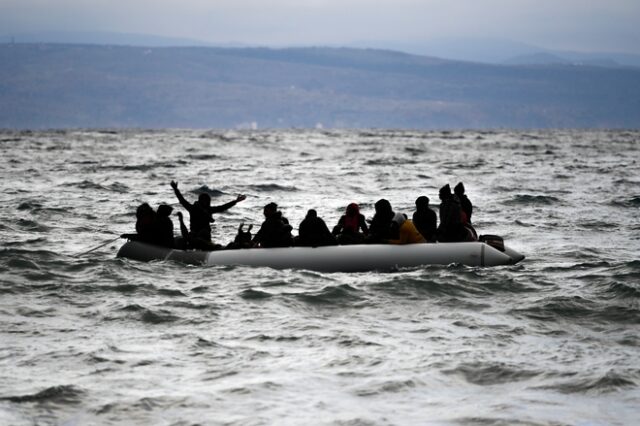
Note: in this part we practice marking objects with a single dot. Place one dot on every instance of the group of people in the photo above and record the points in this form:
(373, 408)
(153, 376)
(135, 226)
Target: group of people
(386, 226)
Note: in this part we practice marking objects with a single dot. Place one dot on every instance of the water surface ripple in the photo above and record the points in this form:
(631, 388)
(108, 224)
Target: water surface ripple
(99, 340)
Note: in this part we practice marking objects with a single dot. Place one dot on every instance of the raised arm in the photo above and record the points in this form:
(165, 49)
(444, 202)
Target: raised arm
(182, 200)
(227, 206)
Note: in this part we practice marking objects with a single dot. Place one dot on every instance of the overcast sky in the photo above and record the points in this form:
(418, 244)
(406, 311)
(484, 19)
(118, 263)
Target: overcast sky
(584, 25)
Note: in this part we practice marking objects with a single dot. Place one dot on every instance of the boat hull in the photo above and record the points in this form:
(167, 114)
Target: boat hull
(353, 258)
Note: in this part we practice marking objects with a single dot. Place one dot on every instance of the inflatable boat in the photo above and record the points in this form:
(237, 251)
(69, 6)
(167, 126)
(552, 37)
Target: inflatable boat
(348, 258)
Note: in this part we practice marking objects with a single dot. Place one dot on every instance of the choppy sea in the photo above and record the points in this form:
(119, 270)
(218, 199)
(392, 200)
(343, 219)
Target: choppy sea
(88, 338)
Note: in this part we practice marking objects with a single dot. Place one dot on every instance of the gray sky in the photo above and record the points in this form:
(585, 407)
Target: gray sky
(596, 25)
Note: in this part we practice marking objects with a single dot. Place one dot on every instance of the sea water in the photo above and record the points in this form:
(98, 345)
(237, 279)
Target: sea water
(88, 338)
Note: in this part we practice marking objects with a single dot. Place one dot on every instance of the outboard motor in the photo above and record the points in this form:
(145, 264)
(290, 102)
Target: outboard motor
(493, 240)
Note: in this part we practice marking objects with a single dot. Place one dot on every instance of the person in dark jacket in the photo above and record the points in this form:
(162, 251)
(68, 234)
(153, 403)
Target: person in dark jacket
(163, 226)
(242, 239)
(313, 232)
(465, 203)
(145, 219)
(352, 226)
(381, 228)
(200, 218)
(451, 228)
(425, 219)
(275, 230)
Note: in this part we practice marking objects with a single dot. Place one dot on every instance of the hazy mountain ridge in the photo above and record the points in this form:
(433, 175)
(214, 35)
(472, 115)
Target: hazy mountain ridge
(114, 86)
(488, 50)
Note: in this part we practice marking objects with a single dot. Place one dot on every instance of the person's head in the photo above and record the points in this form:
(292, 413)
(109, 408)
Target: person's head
(445, 192)
(144, 210)
(383, 206)
(399, 219)
(164, 210)
(383, 209)
(422, 203)
(204, 199)
(312, 214)
(353, 209)
(270, 209)
(459, 189)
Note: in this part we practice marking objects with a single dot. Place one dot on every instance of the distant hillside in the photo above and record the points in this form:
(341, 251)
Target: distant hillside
(57, 86)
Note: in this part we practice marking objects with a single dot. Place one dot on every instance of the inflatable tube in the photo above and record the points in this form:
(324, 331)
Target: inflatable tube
(353, 258)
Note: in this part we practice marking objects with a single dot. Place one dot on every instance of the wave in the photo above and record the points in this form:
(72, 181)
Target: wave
(453, 281)
(27, 259)
(331, 295)
(389, 386)
(29, 205)
(526, 199)
(30, 312)
(28, 225)
(251, 294)
(487, 374)
(150, 316)
(149, 166)
(597, 225)
(204, 189)
(273, 187)
(633, 202)
(558, 307)
(64, 394)
(581, 310)
(266, 337)
(623, 291)
(609, 382)
(171, 292)
(391, 162)
(117, 187)
(129, 288)
(205, 343)
(205, 157)
(158, 317)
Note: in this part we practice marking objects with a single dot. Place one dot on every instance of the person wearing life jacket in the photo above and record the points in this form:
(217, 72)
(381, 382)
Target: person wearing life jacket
(275, 230)
(349, 227)
(380, 229)
(425, 219)
(200, 217)
(313, 232)
(451, 228)
(407, 232)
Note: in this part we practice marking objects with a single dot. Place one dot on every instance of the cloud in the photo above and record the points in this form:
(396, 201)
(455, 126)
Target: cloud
(574, 24)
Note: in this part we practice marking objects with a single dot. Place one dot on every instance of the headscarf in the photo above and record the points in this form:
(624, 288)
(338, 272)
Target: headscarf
(352, 218)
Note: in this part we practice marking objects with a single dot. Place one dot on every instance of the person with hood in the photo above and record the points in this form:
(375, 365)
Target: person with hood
(313, 232)
(465, 203)
(380, 229)
(275, 230)
(425, 219)
(407, 232)
(163, 226)
(145, 219)
(349, 227)
(451, 228)
(200, 217)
